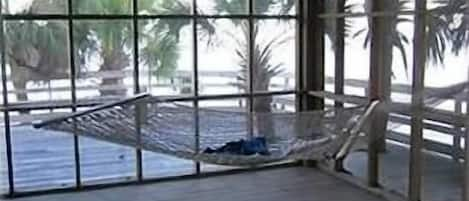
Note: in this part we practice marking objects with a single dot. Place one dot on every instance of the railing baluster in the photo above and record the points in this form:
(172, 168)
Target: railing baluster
(456, 152)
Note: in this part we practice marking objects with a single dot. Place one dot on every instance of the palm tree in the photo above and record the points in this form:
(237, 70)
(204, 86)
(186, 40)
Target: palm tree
(446, 27)
(443, 30)
(263, 67)
(113, 39)
(32, 47)
(158, 38)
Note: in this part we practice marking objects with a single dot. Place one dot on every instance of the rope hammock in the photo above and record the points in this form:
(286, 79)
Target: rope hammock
(185, 132)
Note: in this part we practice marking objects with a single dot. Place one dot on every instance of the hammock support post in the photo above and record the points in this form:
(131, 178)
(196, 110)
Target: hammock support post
(312, 69)
(374, 108)
(418, 86)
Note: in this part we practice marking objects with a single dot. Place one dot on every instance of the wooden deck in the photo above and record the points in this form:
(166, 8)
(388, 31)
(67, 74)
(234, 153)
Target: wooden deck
(52, 166)
(442, 179)
(293, 184)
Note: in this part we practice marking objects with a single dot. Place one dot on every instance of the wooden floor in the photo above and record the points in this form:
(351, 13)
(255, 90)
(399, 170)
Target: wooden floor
(442, 179)
(293, 184)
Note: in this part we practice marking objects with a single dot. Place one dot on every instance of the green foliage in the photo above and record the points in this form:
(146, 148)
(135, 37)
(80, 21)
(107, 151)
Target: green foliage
(263, 67)
(399, 39)
(38, 34)
(447, 28)
(159, 38)
(161, 51)
(103, 6)
(260, 6)
(448, 24)
(48, 39)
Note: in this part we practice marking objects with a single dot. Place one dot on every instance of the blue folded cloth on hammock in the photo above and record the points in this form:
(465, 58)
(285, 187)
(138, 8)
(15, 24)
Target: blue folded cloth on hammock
(256, 145)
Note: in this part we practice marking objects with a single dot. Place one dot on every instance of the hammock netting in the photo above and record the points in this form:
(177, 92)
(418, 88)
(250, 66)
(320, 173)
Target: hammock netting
(185, 132)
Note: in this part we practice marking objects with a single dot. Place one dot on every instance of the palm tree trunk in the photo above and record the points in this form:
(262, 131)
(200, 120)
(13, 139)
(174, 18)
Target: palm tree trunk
(21, 86)
(253, 68)
(262, 105)
(114, 63)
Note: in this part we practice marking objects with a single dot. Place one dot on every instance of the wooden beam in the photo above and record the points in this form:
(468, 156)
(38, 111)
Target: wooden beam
(299, 56)
(466, 161)
(432, 114)
(458, 132)
(465, 190)
(418, 86)
(313, 50)
(465, 196)
(379, 83)
(339, 51)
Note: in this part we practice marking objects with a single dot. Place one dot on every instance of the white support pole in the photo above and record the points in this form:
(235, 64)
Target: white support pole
(418, 84)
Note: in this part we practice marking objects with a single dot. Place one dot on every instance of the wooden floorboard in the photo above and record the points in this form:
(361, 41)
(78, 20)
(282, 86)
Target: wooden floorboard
(105, 162)
(293, 184)
(442, 176)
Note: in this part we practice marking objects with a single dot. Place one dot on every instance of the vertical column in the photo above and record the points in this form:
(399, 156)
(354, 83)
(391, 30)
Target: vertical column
(313, 52)
(465, 190)
(139, 106)
(456, 152)
(11, 182)
(416, 138)
(380, 81)
(252, 27)
(73, 71)
(195, 79)
(250, 48)
(381, 59)
(299, 58)
(339, 51)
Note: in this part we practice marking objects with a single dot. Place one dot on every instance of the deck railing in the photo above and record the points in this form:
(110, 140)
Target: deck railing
(286, 81)
(443, 123)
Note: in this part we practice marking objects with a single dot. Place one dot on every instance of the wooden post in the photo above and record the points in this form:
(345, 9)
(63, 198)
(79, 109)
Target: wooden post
(313, 53)
(416, 138)
(339, 51)
(299, 57)
(339, 57)
(465, 190)
(380, 67)
(379, 85)
(312, 59)
(456, 152)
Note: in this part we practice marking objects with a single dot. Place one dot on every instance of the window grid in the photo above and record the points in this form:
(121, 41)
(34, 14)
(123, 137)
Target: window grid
(71, 17)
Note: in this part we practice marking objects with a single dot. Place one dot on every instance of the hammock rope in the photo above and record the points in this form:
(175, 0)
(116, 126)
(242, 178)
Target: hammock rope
(171, 129)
